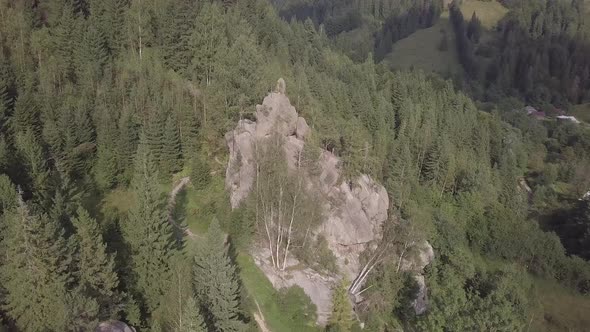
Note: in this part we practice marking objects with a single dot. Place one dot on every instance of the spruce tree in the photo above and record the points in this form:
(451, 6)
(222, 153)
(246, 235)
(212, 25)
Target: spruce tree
(147, 231)
(126, 146)
(7, 196)
(155, 131)
(106, 167)
(35, 163)
(341, 319)
(216, 282)
(192, 319)
(179, 22)
(95, 266)
(171, 157)
(208, 41)
(26, 114)
(35, 273)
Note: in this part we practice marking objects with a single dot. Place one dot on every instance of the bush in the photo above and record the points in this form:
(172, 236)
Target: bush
(297, 305)
(200, 173)
(317, 255)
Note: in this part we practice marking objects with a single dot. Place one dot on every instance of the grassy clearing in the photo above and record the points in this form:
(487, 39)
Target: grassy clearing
(582, 112)
(560, 309)
(421, 50)
(489, 12)
(279, 317)
(116, 203)
(198, 207)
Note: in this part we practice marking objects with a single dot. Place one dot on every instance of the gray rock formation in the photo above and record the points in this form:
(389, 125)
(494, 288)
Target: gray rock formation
(354, 209)
(315, 285)
(422, 255)
(114, 326)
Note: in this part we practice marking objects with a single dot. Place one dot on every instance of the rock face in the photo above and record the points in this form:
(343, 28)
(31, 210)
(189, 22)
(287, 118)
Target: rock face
(318, 287)
(276, 115)
(423, 255)
(114, 326)
(354, 210)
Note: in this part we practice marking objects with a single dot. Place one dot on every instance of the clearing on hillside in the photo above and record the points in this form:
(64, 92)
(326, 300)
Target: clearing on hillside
(582, 112)
(489, 12)
(422, 50)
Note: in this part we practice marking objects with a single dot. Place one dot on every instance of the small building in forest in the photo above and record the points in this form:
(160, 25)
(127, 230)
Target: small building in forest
(534, 113)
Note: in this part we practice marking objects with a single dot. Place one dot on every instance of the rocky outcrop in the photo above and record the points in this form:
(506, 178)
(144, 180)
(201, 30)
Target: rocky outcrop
(422, 254)
(315, 285)
(354, 210)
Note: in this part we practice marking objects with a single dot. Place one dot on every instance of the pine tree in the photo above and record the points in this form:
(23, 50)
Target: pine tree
(95, 267)
(171, 157)
(106, 167)
(176, 35)
(192, 319)
(126, 147)
(7, 196)
(35, 272)
(208, 42)
(341, 319)
(26, 114)
(474, 29)
(147, 231)
(217, 283)
(91, 55)
(155, 131)
(35, 162)
(200, 172)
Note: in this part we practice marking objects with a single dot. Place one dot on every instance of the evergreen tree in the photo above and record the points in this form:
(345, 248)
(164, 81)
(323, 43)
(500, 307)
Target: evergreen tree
(35, 273)
(171, 157)
(341, 319)
(26, 114)
(217, 282)
(106, 167)
(35, 162)
(474, 29)
(95, 266)
(200, 172)
(208, 42)
(155, 134)
(92, 54)
(7, 196)
(147, 232)
(179, 20)
(192, 319)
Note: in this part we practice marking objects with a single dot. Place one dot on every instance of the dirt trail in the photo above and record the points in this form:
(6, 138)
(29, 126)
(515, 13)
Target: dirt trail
(259, 318)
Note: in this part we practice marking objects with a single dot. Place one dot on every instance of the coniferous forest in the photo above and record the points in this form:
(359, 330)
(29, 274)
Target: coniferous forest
(109, 107)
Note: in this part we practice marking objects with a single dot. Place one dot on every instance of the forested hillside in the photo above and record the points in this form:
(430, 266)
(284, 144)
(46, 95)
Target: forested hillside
(105, 105)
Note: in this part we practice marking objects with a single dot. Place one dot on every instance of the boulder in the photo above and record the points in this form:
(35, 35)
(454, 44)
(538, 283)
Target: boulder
(420, 303)
(302, 129)
(114, 326)
(421, 255)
